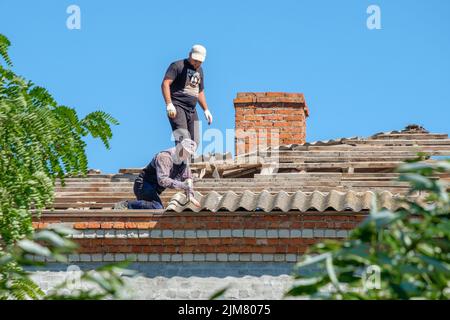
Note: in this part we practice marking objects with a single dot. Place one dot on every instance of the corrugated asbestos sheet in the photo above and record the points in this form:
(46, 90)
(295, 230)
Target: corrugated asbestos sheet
(298, 201)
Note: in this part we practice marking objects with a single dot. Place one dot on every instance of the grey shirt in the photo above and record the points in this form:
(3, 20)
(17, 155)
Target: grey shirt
(166, 173)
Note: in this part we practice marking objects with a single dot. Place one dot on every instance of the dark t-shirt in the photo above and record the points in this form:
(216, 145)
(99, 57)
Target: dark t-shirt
(186, 85)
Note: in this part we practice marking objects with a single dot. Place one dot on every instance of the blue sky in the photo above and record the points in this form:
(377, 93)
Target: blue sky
(356, 81)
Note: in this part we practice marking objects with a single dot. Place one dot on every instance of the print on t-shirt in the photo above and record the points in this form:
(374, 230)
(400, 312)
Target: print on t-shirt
(192, 83)
(187, 84)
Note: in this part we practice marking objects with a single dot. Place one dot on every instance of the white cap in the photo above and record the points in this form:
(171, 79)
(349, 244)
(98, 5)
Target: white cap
(198, 52)
(189, 145)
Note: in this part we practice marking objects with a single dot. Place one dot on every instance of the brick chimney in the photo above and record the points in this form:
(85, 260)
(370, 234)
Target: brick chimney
(266, 119)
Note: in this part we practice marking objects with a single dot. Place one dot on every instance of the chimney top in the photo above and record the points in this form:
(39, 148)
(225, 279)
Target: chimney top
(293, 99)
(269, 119)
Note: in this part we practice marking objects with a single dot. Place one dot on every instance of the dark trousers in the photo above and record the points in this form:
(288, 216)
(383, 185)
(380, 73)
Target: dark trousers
(146, 195)
(185, 125)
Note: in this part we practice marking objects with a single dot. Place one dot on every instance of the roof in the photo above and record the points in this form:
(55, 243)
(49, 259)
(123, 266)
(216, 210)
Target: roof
(340, 174)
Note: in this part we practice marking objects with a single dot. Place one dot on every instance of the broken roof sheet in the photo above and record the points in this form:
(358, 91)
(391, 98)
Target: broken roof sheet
(298, 201)
(411, 128)
(408, 130)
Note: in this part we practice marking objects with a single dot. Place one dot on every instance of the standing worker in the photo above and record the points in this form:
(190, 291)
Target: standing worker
(182, 88)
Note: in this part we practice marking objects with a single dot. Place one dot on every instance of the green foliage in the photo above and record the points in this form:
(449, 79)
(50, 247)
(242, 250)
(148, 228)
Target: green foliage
(105, 282)
(4, 45)
(390, 255)
(40, 141)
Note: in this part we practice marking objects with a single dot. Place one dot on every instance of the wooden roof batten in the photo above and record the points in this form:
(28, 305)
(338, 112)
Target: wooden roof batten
(347, 164)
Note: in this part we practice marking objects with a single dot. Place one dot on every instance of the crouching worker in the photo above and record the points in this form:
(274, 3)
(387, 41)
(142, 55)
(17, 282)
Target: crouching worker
(168, 169)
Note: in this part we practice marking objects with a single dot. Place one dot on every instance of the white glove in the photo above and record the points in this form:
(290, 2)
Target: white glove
(189, 183)
(208, 116)
(171, 111)
(190, 192)
(188, 186)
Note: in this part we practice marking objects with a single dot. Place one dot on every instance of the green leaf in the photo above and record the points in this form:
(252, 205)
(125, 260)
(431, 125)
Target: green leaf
(380, 219)
(306, 287)
(34, 248)
(218, 294)
(4, 45)
(50, 237)
(420, 182)
(63, 231)
(438, 265)
(310, 260)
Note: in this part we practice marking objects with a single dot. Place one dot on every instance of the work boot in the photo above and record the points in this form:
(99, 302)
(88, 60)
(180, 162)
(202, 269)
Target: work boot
(122, 205)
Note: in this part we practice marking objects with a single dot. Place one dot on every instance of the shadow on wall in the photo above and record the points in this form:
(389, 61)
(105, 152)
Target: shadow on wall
(189, 269)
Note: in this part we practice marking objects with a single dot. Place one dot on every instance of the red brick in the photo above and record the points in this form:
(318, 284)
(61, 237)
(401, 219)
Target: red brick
(281, 124)
(93, 225)
(274, 117)
(80, 225)
(264, 111)
(260, 124)
(119, 225)
(308, 225)
(275, 94)
(130, 225)
(106, 225)
(298, 118)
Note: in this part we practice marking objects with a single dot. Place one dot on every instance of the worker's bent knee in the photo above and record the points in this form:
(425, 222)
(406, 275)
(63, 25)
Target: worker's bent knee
(144, 204)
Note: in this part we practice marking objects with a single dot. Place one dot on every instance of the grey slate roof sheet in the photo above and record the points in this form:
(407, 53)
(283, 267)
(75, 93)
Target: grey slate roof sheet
(412, 128)
(298, 201)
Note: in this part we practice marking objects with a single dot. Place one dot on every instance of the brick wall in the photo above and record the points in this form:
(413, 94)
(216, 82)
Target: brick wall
(184, 237)
(269, 119)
